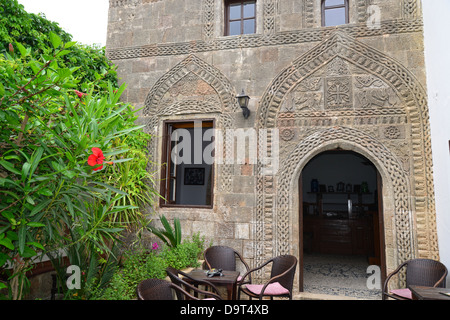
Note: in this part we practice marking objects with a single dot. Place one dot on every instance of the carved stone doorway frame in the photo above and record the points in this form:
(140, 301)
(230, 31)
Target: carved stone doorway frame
(408, 197)
(387, 195)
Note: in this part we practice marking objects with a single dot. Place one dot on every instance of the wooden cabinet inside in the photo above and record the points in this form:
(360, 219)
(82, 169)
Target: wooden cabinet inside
(339, 225)
(338, 236)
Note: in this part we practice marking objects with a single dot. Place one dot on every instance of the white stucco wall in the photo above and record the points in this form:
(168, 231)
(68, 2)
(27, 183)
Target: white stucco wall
(437, 53)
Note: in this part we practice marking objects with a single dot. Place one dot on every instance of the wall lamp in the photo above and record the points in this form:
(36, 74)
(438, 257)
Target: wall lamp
(243, 103)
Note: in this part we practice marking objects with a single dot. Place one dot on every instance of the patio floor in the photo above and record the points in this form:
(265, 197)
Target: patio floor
(336, 277)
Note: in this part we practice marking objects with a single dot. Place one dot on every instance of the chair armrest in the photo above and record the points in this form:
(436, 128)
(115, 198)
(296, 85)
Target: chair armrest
(255, 269)
(242, 260)
(385, 285)
(441, 279)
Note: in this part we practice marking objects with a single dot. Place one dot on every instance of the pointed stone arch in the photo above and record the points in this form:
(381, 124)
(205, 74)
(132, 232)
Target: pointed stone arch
(395, 180)
(417, 200)
(219, 106)
(198, 67)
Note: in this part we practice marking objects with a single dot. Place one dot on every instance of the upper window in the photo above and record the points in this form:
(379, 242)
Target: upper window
(334, 12)
(188, 155)
(240, 17)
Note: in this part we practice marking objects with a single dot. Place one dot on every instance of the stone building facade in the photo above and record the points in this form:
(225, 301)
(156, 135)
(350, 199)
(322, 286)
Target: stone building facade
(359, 86)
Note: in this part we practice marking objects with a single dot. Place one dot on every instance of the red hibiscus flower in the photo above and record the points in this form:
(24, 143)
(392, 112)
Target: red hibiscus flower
(96, 158)
(80, 94)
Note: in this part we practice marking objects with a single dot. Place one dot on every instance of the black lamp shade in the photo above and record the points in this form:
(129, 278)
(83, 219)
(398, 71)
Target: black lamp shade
(243, 99)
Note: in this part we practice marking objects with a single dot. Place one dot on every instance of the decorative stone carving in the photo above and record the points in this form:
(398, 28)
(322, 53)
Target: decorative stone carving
(410, 9)
(339, 93)
(192, 87)
(270, 11)
(196, 68)
(122, 3)
(256, 40)
(392, 132)
(208, 19)
(393, 97)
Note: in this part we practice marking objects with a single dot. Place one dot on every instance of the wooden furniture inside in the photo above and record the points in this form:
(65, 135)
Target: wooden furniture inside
(339, 223)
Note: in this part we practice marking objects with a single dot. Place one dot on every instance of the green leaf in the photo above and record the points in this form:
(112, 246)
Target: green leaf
(7, 243)
(9, 166)
(64, 73)
(55, 40)
(22, 236)
(36, 244)
(110, 188)
(39, 207)
(22, 49)
(30, 200)
(3, 259)
(25, 169)
(28, 252)
(35, 224)
(8, 215)
(58, 167)
(63, 53)
(35, 159)
(45, 192)
(12, 235)
(69, 44)
(69, 173)
(69, 203)
(177, 227)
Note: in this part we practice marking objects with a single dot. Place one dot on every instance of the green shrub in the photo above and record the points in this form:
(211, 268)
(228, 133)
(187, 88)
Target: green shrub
(140, 265)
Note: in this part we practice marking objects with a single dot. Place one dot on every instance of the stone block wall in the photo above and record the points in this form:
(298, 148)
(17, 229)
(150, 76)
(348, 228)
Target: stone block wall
(178, 64)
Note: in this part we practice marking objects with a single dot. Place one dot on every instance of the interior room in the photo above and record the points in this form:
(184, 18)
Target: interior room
(340, 223)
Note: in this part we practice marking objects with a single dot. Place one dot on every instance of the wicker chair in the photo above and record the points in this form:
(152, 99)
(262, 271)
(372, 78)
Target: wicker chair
(280, 283)
(154, 289)
(223, 257)
(419, 272)
(175, 276)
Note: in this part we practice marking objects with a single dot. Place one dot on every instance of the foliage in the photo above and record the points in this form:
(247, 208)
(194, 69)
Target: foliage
(170, 236)
(51, 200)
(59, 107)
(32, 31)
(134, 178)
(141, 264)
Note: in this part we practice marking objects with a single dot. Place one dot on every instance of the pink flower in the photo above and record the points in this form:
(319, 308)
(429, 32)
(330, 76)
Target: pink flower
(80, 94)
(11, 48)
(155, 246)
(97, 158)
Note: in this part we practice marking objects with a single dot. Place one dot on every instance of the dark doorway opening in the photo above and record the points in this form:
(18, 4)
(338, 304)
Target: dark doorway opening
(340, 219)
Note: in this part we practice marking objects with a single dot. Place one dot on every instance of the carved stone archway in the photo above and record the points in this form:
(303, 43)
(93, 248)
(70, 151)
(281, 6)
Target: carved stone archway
(396, 187)
(414, 229)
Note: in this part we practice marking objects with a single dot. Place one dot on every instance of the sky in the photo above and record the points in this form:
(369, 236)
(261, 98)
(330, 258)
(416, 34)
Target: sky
(85, 20)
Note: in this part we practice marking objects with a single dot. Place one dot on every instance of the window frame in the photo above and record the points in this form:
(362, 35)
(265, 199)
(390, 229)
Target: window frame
(166, 163)
(345, 5)
(228, 3)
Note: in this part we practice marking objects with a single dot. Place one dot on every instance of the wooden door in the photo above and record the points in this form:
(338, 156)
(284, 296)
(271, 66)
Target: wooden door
(379, 230)
(300, 231)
